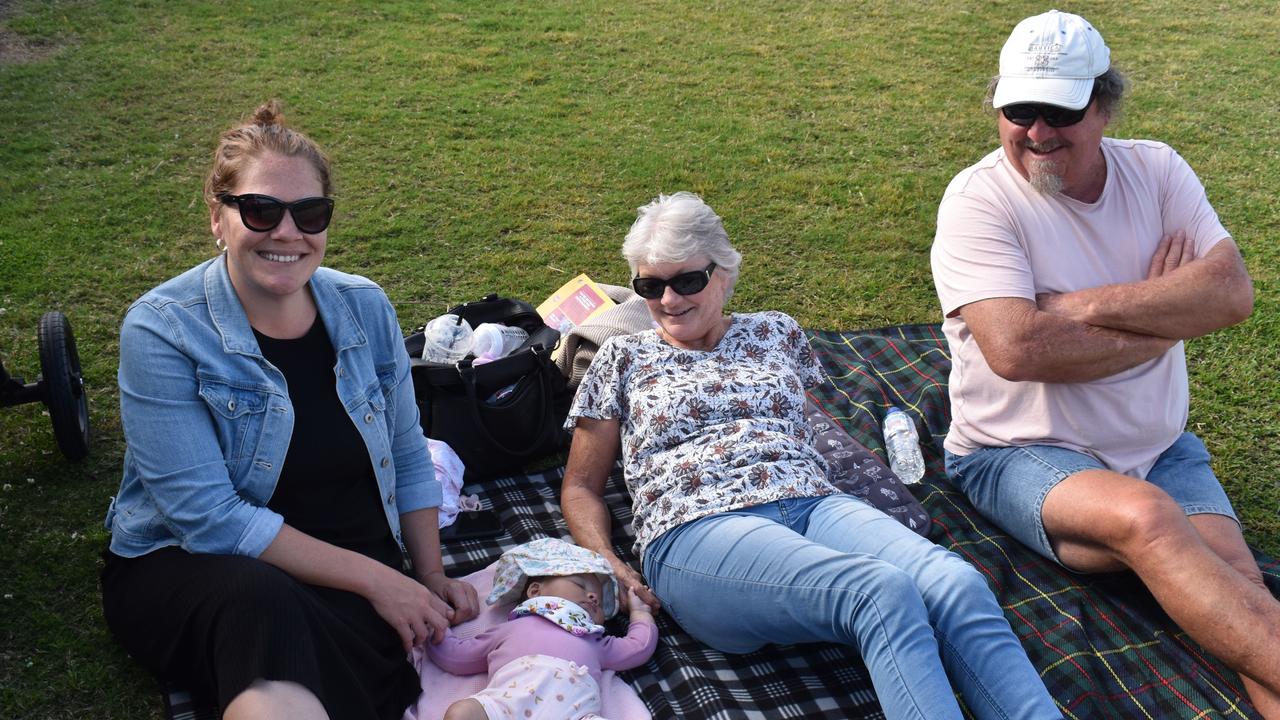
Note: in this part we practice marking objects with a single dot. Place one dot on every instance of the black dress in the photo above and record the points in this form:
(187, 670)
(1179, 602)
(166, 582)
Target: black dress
(216, 623)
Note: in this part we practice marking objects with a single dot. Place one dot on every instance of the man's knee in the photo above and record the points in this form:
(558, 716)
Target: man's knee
(1143, 522)
(1102, 521)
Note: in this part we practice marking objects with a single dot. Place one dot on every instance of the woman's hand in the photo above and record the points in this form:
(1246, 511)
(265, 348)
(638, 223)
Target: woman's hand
(422, 539)
(412, 609)
(408, 606)
(460, 595)
(632, 583)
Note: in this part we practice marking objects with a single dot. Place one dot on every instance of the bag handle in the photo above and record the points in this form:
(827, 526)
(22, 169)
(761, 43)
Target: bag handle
(468, 374)
(492, 308)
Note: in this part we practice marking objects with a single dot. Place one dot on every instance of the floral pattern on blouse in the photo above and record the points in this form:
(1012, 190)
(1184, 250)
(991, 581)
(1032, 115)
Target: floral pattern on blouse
(705, 432)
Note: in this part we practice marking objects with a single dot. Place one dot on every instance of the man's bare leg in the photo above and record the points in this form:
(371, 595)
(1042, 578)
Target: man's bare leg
(1100, 521)
(1222, 535)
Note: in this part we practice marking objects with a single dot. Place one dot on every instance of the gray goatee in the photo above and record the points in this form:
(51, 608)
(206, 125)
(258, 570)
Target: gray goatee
(1044, 175)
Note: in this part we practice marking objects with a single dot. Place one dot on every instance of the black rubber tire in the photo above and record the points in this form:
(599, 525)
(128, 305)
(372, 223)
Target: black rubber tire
(62, 386)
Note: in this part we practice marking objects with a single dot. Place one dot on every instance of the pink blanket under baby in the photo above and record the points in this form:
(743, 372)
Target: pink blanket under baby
(440, 689)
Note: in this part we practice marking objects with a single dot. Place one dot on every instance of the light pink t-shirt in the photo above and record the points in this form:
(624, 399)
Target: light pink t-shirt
(999, 237)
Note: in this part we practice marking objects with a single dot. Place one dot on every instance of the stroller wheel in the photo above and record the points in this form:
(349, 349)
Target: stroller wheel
(63, 386)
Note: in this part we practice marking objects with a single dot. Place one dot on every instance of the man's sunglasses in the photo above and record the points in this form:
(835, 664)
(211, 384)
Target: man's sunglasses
(1025, 114)
(262, 213)
(689, 283)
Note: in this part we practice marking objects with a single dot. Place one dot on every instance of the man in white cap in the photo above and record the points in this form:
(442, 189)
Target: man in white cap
(1070, 267)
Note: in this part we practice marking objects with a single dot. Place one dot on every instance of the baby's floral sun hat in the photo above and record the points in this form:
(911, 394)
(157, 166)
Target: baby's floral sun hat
(550, 557)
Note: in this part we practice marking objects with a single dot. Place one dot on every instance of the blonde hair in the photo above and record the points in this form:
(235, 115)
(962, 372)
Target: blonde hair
(265, 132)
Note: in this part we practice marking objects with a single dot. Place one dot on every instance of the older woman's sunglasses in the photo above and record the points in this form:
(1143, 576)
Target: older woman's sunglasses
(261, 213)
(689, 283)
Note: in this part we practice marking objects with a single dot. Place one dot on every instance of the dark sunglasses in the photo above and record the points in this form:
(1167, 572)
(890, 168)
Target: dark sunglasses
(1025, 114)
(261, 213)
(688, 283)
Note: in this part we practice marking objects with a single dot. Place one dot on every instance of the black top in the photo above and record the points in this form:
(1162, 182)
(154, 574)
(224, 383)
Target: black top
(327, 488)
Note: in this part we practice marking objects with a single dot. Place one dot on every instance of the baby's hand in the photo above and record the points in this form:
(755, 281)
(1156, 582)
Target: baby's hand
(635, 604)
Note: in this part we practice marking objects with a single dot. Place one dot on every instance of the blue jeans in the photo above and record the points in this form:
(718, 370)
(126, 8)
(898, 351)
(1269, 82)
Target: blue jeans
(834, 569)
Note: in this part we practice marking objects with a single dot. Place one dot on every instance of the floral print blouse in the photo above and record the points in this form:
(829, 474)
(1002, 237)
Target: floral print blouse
(705, 432)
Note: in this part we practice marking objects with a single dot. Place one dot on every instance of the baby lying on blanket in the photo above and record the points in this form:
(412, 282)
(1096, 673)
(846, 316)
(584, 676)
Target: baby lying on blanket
(546, 660)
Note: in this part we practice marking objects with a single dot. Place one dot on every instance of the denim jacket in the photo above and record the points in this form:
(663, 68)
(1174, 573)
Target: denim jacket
(207, 419)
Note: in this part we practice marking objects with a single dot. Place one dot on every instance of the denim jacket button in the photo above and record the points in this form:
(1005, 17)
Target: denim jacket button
(368, 417)
(391, 499)
(231, 405)
(386, 462)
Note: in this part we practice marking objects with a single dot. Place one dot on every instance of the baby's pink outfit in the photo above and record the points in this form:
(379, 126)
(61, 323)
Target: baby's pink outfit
(557, 674)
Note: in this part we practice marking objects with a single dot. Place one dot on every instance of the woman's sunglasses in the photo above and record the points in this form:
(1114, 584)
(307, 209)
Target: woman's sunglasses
(261, 213)
(689, 283)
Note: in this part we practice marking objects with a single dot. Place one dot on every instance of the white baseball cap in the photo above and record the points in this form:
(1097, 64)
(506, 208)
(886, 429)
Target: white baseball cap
(1051, 58)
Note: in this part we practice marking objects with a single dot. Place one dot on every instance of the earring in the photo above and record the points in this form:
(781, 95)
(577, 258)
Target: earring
(218, 243)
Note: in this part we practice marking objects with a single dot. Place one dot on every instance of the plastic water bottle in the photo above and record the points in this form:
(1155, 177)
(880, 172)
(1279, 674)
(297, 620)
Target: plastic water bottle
(494, 340)
(903, 446)
(448, 339)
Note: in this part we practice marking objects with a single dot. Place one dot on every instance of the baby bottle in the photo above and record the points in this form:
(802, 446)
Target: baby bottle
(494, 340)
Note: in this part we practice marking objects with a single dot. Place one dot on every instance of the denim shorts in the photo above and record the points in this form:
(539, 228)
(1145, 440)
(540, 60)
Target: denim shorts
(1008, 484)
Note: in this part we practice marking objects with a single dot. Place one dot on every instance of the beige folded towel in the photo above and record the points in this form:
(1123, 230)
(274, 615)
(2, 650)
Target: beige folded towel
(579, 345)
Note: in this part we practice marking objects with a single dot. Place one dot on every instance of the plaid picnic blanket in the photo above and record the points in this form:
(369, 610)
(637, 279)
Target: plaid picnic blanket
(1102, 645)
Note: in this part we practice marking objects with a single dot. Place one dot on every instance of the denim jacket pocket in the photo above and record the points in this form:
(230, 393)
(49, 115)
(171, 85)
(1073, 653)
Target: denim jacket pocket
(239, 415)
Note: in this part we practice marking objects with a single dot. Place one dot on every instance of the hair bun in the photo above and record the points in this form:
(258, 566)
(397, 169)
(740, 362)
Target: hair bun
(269, 113)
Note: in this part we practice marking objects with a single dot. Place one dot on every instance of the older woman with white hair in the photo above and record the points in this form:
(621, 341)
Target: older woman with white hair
(742, 538)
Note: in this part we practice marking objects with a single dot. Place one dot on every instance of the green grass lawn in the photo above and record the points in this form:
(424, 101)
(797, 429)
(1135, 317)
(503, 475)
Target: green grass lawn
(505, 146)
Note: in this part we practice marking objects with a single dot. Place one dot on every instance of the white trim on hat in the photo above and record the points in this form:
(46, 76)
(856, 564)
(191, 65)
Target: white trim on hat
(1051, 58)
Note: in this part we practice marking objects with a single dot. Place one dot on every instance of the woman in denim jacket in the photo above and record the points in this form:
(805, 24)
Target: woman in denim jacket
(276, 473)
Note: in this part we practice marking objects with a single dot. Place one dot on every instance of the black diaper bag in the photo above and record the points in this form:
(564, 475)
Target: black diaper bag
(500, 415)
